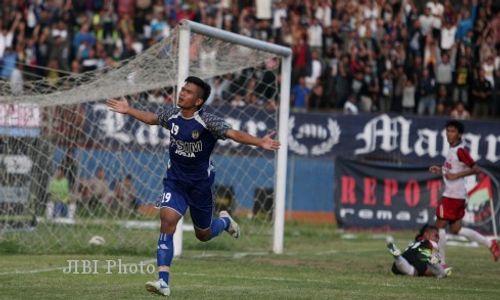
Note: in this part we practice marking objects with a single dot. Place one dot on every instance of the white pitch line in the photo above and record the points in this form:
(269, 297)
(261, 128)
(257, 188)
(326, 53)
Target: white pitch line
(18, 272)
(21, 272)
(269, 278)
(237, 255)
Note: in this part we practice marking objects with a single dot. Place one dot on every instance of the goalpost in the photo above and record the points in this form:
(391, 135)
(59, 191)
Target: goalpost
(186, 28)
(45, 125)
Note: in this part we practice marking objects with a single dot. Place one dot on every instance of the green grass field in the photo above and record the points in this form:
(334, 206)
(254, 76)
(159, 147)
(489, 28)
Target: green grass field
(318, 264)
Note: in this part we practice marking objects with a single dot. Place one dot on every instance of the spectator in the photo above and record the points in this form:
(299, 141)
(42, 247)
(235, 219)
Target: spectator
(159, 27)
(440, 110)
(371, 12)
(316, 70)
(400, 80)
(125, 195)
(370, 98)
(459, 112)
(160, 96)
(481, 95)
(70, 167)
(466, 21)
(84, 37)
(100, 194)
(315, 34)
(444, 97)
(246, 22)
(263, 9)
(489, 69)
(360, 89)
(342, 86)
(448, 36)
(59, 197)
(301, 58)
(300, 94)
(9, 63)
(350, 106)
(126, 7)
(238, 100)
(430, 51)
(426, 21)
(219, 90)
(317, 99)
(58, 42)
(427, 94)
(436, 11)
(17, 81)
(324, 13)
(264, 31)
(415, 70)
(409, 96)
(495, 29)
(496, 94)
(279, 13)
(7, 35)
(462, 78)
(445, 68)
(371, 37)
(387, 92)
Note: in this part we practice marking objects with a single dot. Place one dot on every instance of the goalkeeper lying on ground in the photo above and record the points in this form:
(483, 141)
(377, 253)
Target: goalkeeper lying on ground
(421, 257)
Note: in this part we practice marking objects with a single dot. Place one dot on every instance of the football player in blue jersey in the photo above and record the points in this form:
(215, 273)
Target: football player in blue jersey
(190, 174)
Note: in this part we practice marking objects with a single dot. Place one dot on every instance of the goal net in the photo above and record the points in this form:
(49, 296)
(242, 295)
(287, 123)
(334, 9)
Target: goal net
(73, 171)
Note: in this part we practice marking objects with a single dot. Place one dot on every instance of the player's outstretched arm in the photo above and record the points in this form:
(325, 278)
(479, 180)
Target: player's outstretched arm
(266, 142)
(471, 171)
(121, 106)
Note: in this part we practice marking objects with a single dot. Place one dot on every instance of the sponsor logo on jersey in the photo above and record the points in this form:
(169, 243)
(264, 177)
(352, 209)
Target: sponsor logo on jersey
(186, 149)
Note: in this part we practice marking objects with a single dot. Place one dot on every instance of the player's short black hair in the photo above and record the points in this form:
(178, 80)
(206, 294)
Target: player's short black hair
(205, 87)
(423, 230)
(456, 124)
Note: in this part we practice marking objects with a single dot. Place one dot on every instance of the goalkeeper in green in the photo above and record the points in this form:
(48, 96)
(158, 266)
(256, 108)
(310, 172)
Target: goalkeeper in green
(421, 257)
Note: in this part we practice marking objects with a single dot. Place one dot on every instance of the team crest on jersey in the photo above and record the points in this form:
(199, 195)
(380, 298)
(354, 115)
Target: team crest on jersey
(195, 134)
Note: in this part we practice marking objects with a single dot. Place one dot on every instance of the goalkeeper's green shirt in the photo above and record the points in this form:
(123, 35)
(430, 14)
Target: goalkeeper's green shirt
(59, 189)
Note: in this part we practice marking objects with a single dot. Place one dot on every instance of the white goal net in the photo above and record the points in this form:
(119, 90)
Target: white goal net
(73, 170)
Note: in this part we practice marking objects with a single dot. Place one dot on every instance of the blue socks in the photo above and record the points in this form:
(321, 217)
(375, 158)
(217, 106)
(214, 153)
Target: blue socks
(163, 275)
(165, 250)
(165, 253)
(218, 225)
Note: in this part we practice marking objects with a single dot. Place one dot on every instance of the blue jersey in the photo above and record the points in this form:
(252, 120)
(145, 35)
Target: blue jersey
(191, 142)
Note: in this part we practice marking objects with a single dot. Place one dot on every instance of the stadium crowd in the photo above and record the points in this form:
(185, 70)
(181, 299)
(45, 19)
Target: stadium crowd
(432, 58)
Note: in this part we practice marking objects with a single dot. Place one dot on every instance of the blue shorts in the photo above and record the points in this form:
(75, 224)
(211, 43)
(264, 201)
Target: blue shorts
(60, 209)
(197, 195)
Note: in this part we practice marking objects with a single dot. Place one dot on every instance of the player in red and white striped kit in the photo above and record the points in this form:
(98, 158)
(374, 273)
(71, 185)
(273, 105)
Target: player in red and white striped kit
(451, 208)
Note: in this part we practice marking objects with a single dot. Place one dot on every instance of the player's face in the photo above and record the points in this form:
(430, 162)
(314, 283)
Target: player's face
(189, 96)
(452, 135)
(432, 235)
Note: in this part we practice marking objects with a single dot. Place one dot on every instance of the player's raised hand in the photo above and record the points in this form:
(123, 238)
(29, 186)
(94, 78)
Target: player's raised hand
(435, 169)
(119, 106)
(268, 143)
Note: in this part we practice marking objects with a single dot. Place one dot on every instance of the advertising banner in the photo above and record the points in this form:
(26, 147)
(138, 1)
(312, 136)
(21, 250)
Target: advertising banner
(374, 195)
(316, 135)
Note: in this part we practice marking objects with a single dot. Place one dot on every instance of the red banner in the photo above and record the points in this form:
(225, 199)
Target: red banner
(375, 195)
